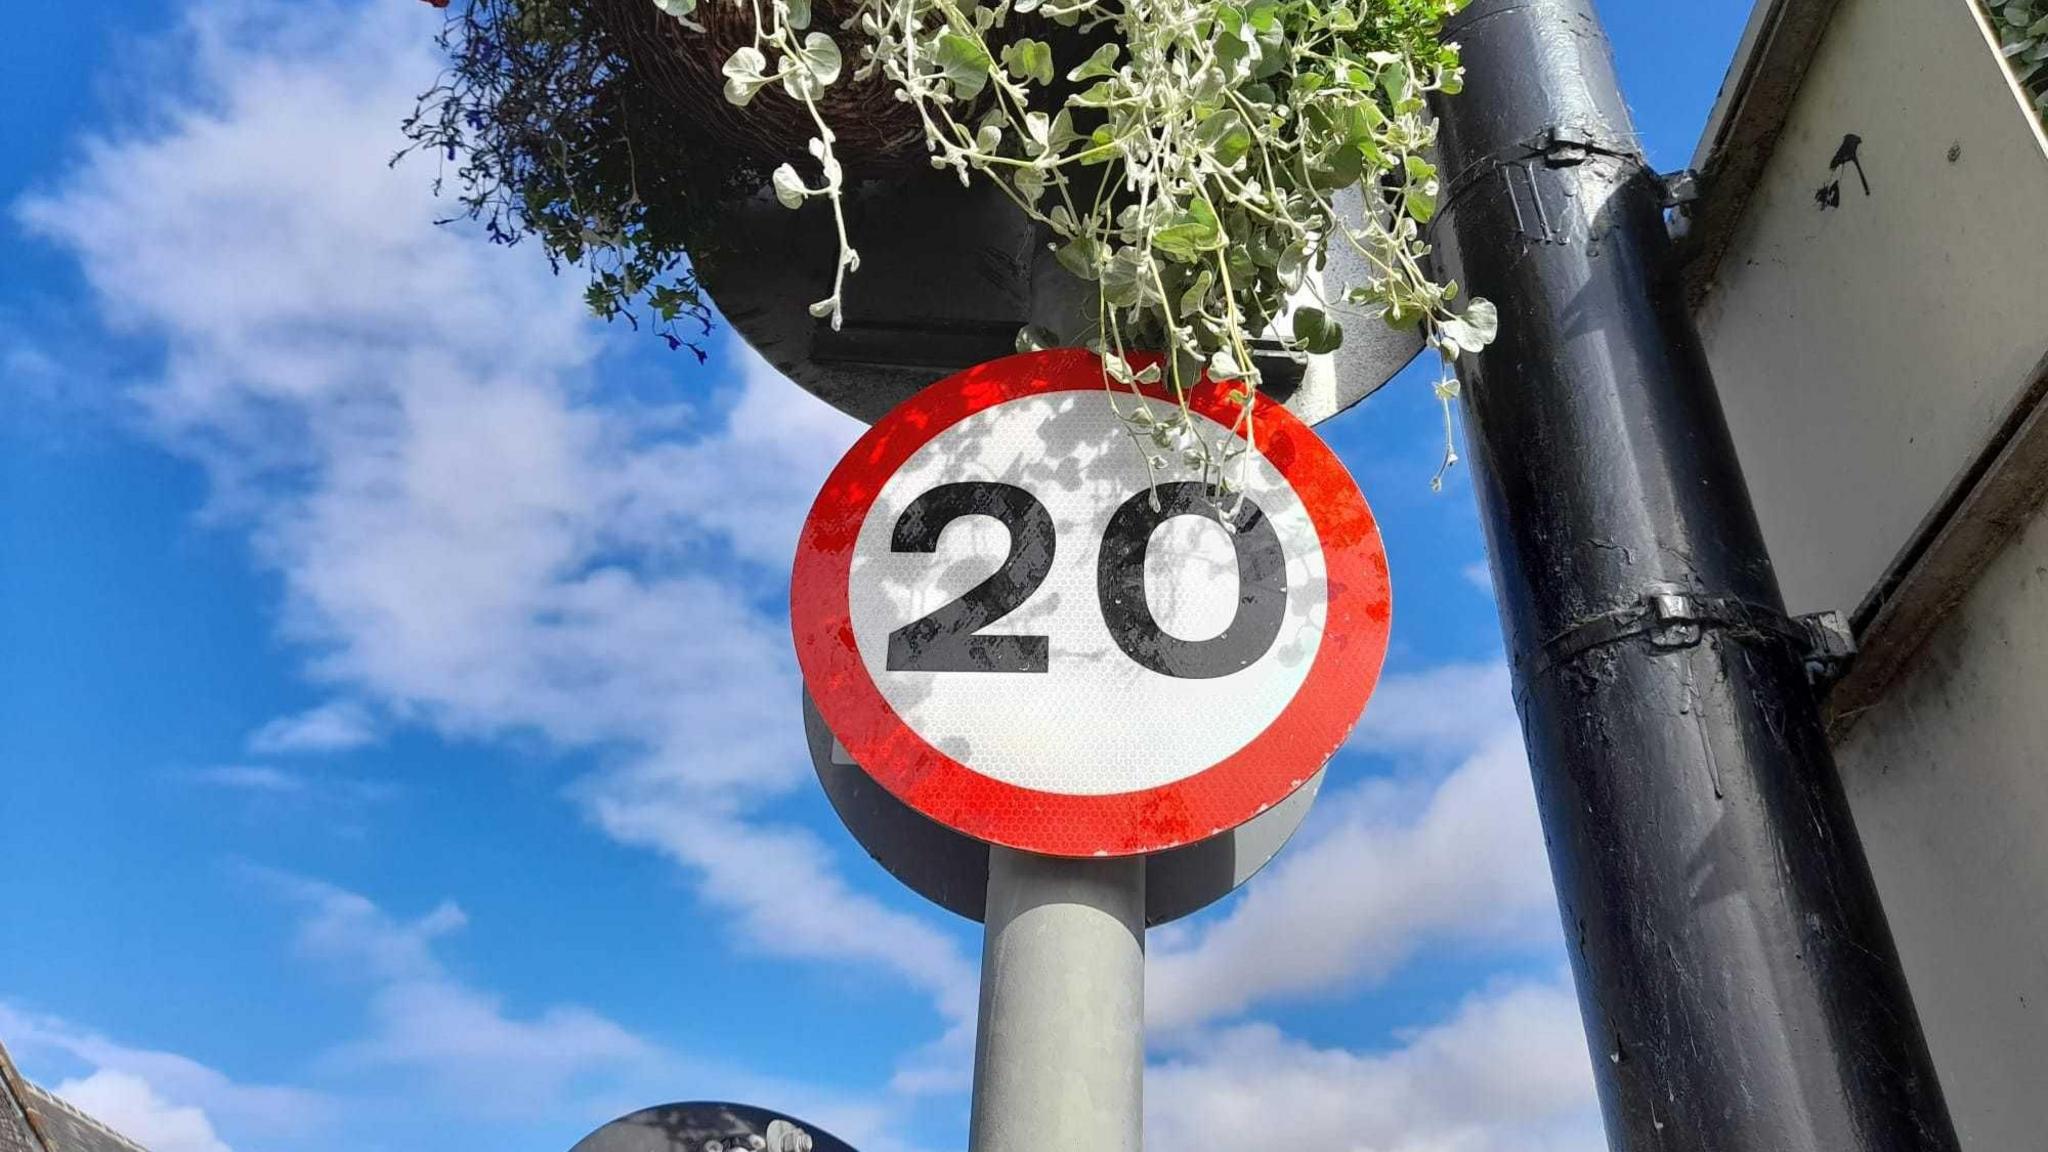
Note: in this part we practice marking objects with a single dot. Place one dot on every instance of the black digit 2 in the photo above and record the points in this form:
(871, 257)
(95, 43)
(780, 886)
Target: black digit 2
(948, 640)
(1261, 585)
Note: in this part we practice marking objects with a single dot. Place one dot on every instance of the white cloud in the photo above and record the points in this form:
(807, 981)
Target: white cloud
(270, 790)
(177, 1084)
(1388, 867)
(491, 1065)
(129, 1105)
(1446, 711)
(1509, 1072)
(790, 900)
(424, 1021)
(469, 534)
(437, 1053)
(335, 726)
(256, 778)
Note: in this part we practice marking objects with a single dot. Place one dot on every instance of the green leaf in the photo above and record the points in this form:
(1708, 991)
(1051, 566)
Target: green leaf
(1192, 232)
(1421, 203)
(1102, 63)
(1029, 59)
(1096, 95)
(1030, 184)
(743, 75)
(789, 187)
(1273, 52)
(1103, 147)
(1226, 136)
(1079, 256)
(1316, 332)
(1062, 131)
(1292, 266)
(1341, 168)
(1127, 280)
(1397, 80)
(1038, 127)
(1236, 42)
(965, 62)
(1364, 122)
(1474, 330)
(799, 13)
(680, 9)
(813, 69)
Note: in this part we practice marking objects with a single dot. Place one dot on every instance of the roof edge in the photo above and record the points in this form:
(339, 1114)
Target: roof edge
(16, 1093)
(43, 1097)
(1777, 47)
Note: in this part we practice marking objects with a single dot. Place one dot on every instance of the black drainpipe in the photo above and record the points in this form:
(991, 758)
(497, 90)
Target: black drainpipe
(1739, 984)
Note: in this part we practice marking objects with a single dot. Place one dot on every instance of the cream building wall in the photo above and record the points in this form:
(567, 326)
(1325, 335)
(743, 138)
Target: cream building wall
(1882, 363)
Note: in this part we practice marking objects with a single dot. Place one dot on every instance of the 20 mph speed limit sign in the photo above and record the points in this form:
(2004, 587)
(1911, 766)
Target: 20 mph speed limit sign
(1018, 633)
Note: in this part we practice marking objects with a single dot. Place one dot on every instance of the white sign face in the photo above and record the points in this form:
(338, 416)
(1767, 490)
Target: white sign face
(1025, 634)
(1027, 493)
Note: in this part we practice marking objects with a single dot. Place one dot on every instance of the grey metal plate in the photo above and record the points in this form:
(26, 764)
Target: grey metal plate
(947, 278)
(951, 870)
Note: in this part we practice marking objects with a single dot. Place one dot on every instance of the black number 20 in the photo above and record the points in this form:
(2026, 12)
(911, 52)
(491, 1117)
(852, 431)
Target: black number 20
(949, 639)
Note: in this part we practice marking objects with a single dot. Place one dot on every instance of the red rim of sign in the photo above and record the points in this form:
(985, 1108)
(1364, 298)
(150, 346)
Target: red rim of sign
(1306, 733)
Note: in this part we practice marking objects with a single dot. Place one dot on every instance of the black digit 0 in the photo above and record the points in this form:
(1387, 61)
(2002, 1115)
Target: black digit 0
(946, 640)
(1261, 585)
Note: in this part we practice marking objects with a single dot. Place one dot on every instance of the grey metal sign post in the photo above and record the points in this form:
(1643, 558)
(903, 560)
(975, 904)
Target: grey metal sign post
(1059, 1055)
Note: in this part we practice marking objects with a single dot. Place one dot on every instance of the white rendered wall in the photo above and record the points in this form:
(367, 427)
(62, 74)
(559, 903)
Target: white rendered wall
(1865, 355)
(1865, 352)
(1948, 778)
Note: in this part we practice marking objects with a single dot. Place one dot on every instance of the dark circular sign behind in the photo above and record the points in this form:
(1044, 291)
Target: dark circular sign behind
(951, 870)
(953, 291)
(690, 1127)
(1131, 674)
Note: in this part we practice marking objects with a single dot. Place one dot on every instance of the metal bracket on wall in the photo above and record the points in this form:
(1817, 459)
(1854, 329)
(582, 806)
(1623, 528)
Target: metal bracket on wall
(1831, 645)
(1681, 187)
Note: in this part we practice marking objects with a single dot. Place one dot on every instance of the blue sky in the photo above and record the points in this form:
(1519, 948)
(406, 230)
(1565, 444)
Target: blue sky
(401, 737)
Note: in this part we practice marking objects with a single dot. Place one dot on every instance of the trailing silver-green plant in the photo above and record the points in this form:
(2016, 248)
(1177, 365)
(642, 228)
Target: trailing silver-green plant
(1188, 168)
(782, 1136)
(2023, 35)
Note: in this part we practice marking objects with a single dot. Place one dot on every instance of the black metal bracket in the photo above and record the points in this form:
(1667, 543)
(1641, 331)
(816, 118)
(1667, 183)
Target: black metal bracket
(1830, 648)
(1675, 619)
(1561, 145)
(1681, 187)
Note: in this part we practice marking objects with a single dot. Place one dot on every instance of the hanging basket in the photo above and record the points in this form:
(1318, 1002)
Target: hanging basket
(949, 275)
(602, 127)
(875, 132)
